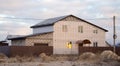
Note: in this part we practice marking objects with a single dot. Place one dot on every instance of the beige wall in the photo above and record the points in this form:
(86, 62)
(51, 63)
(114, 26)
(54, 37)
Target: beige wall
(61, 38)
(43, 38)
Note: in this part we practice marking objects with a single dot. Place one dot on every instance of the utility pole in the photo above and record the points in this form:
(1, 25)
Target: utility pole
(114, 35)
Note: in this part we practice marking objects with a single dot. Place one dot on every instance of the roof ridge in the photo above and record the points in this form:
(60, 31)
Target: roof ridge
(50, 20)
(59, 16)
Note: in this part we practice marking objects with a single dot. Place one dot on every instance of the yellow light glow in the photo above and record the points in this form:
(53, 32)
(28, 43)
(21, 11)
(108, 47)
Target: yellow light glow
(69, 45)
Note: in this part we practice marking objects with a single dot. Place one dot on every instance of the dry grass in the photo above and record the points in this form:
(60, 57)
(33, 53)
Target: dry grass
(3, 58)
(45, 58)
(40, 65)
(60, 58)
(65, 57)
(12, 60)
(42, 55)
(108, 55)
(20, 59)
(118, 59)
(88, 56)
(85, 58)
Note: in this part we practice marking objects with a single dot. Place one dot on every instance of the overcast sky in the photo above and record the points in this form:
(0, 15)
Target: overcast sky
(99, 12)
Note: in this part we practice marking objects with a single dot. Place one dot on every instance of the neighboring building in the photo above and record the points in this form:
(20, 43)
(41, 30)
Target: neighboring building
(3, 43)
(60, 31)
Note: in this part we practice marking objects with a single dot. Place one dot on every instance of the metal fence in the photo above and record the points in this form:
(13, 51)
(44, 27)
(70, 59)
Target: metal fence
(30, 50)
(26, 50)
(36, 50)
(5, 50)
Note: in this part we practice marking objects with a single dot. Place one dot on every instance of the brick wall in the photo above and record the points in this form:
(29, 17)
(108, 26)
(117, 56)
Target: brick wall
(42, 38)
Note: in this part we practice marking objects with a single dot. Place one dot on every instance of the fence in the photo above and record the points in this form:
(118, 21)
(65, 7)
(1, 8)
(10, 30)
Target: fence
(5, 50)
(36, 50)
(26, 50)
(97, 49)
(30, 50)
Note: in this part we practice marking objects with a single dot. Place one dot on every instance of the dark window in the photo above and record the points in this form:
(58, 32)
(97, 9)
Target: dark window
(95, 31)
(80, 29)
(95, 44)
(40, 44)
(64, 28)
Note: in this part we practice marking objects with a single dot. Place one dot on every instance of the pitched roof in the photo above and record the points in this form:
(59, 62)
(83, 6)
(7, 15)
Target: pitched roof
(13, 36)
(51, 21)
(25, 36)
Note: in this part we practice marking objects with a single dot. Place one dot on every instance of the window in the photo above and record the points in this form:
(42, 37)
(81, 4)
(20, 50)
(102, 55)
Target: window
(80, 29)
(64, 28)
(95, 31)
(95, 44)
(40, 44)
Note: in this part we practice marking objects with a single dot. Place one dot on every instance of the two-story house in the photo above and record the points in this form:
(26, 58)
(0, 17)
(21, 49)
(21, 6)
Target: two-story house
(61, 31)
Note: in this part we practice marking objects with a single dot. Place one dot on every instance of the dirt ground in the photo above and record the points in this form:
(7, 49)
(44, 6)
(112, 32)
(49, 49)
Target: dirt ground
(106, 58)
(61, 63)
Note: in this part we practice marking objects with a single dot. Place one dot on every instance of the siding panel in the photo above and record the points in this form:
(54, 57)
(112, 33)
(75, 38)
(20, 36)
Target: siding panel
(43, 29)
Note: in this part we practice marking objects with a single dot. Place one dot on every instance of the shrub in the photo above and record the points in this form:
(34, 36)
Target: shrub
(2, 56)
(42, 55)
(87, 56)
(119, 58)
(45, 58)
(108, 55)
(12, 60)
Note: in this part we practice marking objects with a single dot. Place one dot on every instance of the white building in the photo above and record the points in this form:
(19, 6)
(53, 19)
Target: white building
(60, 31)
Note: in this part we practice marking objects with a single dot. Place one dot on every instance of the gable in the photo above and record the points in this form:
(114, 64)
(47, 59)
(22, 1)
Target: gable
(70, 18)
(52, 21)
(76, 19)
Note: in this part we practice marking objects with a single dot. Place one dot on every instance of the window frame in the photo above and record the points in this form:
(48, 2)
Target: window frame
(64, 28)
(95, 31)
(80, 29)
(95, 44)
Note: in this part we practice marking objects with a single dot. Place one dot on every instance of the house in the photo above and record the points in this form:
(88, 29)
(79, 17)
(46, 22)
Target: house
(63, 32)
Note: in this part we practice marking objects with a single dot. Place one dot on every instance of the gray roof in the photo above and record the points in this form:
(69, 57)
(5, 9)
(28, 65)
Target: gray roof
(43, 29)
(51, 21)
(23, 37)
(13, 36)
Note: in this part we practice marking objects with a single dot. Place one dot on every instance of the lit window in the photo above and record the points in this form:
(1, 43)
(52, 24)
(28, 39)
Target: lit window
(64, 28)
(80, 29)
